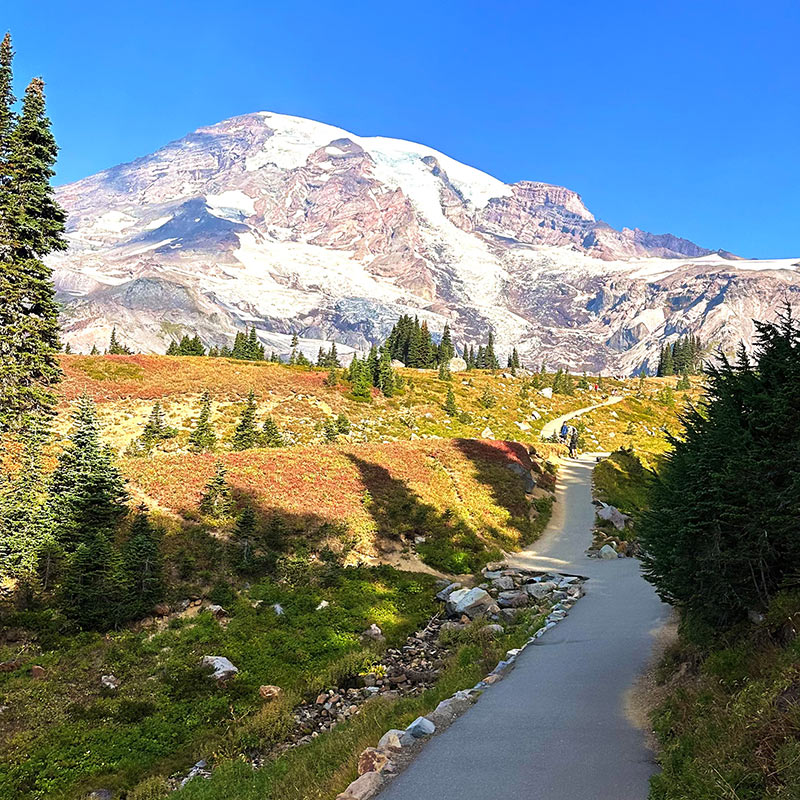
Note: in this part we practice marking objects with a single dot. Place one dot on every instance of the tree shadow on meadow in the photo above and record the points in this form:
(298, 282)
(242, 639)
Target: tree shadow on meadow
(450, 543)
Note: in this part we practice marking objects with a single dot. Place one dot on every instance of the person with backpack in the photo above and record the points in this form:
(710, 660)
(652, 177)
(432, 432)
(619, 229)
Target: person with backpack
(564, 432)
(573, 442)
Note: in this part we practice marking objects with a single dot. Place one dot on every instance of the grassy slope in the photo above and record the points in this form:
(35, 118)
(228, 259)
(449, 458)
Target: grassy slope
(730, 727)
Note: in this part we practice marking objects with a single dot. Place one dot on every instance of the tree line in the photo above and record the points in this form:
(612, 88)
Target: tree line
(682, 357)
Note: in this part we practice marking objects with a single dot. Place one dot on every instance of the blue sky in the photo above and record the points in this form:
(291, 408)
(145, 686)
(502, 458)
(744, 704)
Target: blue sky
(679, 117)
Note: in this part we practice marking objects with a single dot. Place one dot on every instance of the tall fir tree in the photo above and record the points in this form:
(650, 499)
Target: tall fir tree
(270, 433)
(142, 568)
(115, 347)
(86, 490)
(31, 227)
(203, 438)
(450, 407)
(217, 501)
(246, 434)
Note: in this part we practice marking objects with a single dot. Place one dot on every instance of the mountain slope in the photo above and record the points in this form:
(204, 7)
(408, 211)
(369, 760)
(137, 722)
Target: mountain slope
(294, 225)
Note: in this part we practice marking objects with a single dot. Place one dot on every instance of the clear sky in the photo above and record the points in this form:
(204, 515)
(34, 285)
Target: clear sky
(680, 117)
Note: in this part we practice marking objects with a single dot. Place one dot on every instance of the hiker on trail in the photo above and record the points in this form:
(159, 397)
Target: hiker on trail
(564, 432)
(573, 443)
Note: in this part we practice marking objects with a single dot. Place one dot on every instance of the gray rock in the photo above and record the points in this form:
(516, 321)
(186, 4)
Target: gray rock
(504, 583)
(457, 364)
(364, 787)
(222, 668)
(525, 474)
(447, 591)
(486, 433)
(374, 633)
(391, 739)
(539, 590)
(613, 515)
(421, 727)
(515, 599)
(110, 682)
(607, 551)
(491, 575)
(493, 630)
(472, 602)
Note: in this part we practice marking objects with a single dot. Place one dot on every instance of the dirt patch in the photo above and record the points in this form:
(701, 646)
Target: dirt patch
(647, 693)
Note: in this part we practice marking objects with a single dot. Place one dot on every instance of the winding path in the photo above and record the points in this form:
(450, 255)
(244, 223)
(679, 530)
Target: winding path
(555, 424)
(556, 726)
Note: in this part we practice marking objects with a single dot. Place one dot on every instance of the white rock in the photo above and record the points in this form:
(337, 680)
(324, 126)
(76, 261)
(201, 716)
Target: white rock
(486, 433)
(392, 738)
(607, 551)
(523, 426)
(456, 364)
(322, 604)
(110, 682)
(540, 590)
(546, 392)
(364, 787)
(221, 666)
(278, 609)
(472, 602)
(614, 516)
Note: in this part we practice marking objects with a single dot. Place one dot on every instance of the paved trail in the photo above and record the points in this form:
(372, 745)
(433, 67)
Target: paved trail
(556, 725)
(554, 426)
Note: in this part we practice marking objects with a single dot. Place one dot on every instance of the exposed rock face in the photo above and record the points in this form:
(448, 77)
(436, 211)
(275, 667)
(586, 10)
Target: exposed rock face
(294, 225)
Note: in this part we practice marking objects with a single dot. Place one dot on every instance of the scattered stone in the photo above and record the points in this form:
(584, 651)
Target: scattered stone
(278, 609)
(447, 591)
(374, 633)
(607, 551)
(322, 699)
(372, 760)
(222, 668)
(486, 433)
(420, 728)
(457, 364)
(540, 590)
(110, 682)
(523, 426)
(493, 630)
(161, 609)
(217, 611)
(322, 604)
(614, 516)
(392, 739)
(469, 602)
(546, 392)
(100, 794)
(269, 692)
(504, 583)
(363, 787)
(515, 599)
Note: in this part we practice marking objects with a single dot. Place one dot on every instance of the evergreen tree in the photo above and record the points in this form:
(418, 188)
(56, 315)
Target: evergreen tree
(490, 358)
(386, 382)
(203, 437)
(142, 570)
(372, 365)
(216, 500)
(239, 346)
(246, 435)
(270, 434)
(86, 490)
(31, 227)
(721, 536)
(173, 349)
(446, 349)
(322, 357)
(94, 351)
(244, 539)
(115, 347)
(332, 378)
(683, 383)
(329, 429)
(450, 407)
(487, 399)
(342, 424)
(444, 372)
(155, 430)
(361, 380)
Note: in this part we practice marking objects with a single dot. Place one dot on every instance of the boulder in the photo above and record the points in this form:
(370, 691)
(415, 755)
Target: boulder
(523, 426)
(421, 727)
(372, 760)
(546, 392)
(527, 479)
(613, 515)
(469, 602)
(447, 591)
(363, 787)
(540, 590)
(504, 583)
(607, 551)
(217, 611)
(457, 364)
(374, 633)
(486, 433)
(493, 630)
(109, 682)
(391, 740)
(161, 609)
(270, 692)
(322, 604)
(222, 668)
(515, 599)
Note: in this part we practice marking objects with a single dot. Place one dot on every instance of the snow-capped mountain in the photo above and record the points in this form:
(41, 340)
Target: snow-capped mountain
(296, 226)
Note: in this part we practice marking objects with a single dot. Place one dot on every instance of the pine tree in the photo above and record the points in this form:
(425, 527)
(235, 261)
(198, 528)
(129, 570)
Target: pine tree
(86, 490)
(343, 424)
(361, 380)
(94, 351)
(372, 364)
(322, 357)
(386, 381)
(329, 429)
(243, 540)
(446, 349)
(332, 378)
(31, 227)
(141, 567)
(173, 349)
(216, 500)
(444, 372)
(115, 347)
(489, 355)
(203, 437)
(239, 346)
(487, 399)
(246, 435)
(450, 407)
(155, 430)
(270, 434)
(333, 357)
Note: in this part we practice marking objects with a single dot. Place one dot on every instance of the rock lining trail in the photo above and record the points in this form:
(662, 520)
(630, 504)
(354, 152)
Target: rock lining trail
(557, 726)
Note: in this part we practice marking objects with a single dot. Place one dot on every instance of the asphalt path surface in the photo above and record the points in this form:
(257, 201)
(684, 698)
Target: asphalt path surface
(556, 725)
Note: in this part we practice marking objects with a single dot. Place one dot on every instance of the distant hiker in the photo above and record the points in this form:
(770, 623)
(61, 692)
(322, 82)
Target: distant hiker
(564, 432)
(573, 443)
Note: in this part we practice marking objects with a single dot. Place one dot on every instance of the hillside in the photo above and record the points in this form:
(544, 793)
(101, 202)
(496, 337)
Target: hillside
(299, 227)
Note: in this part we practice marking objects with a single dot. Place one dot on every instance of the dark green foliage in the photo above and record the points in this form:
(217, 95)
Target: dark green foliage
(411, 342)
(342, 424)
(487, 399)
(360, 379)
(155, 430)
(683, 383)
(87, 491)
(247, 347)
(563, 383)
(385, 380)
(450, 406)
(142, 568)
(94, 351)
(216, 500)
(115, 347)
(446, 348)
(721, 537)
(682, 356)
(329, 358)
(246, 434)
(188, 346)
(332, 378)
(270, 434)
(330, 431)
(243, 540)
(203, 437)
(444, 372)
(31, 227)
